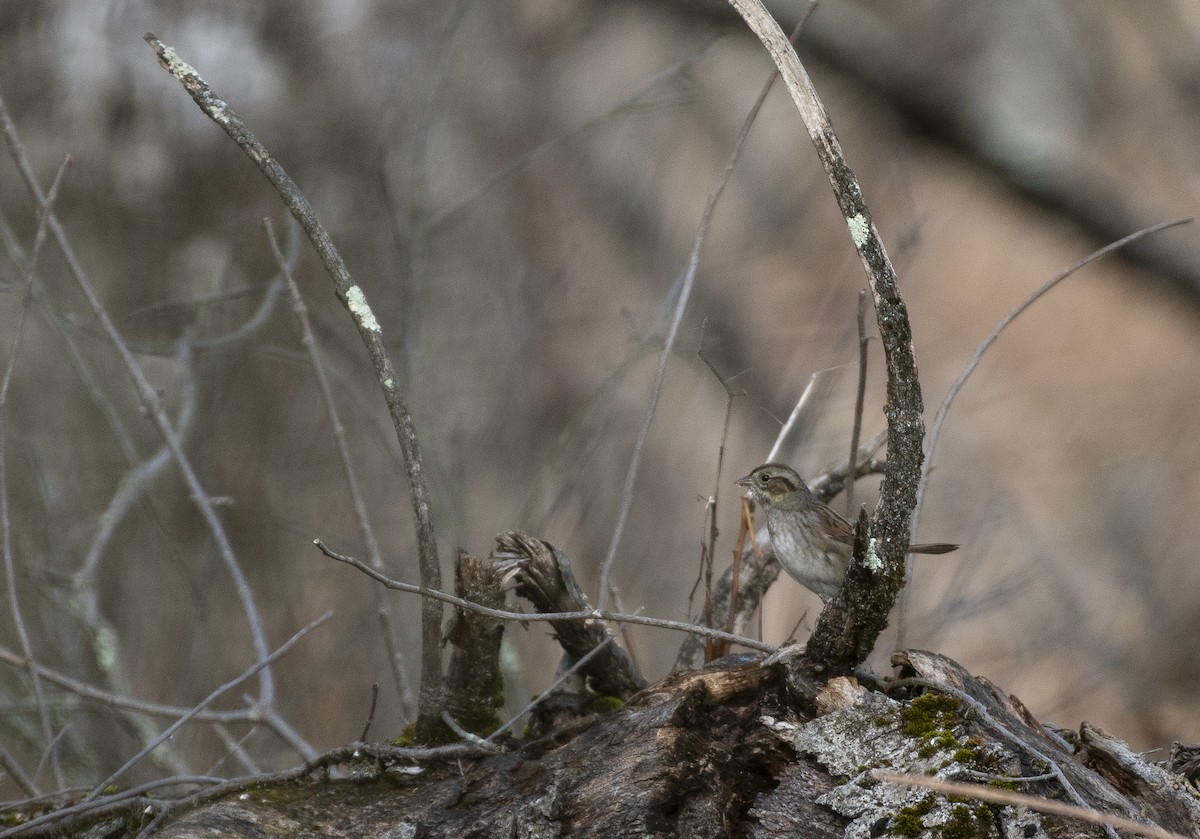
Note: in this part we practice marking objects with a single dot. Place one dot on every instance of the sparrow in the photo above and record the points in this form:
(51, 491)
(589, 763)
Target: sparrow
(811, 541)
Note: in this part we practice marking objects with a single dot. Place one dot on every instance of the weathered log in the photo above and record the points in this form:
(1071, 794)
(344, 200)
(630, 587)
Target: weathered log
(737, 749)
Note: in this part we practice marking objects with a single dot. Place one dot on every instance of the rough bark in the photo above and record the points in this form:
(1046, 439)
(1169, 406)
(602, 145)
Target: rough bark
(736, 749)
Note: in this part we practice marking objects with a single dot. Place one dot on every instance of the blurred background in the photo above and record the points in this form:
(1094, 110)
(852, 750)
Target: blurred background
(516, 186)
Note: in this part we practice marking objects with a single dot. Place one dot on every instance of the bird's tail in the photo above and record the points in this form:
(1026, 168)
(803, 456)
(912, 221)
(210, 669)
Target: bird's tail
(935, 548)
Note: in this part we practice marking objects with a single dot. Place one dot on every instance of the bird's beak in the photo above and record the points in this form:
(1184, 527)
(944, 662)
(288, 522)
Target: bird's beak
(743, 482)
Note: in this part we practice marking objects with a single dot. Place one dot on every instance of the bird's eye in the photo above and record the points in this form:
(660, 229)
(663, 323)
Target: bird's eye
(763, 479)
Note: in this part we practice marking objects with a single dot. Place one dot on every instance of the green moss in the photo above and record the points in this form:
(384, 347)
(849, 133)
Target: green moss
(931, 719)
(907, 824)
(929, 714)
(440, 736)
(603, 704)
(965, 823)
(965, 755)
(909, 820)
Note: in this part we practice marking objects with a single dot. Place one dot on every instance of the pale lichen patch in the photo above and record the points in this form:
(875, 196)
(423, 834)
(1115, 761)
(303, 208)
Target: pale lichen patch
(860, 229)
(873, 561)
(356, 301)
(874, 733)
(176, 66)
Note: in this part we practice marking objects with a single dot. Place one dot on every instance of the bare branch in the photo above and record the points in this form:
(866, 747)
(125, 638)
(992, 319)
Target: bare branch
(355, 301)
(849, 626)
(685, 293)
(208, 700)
(954, 389)
(10, 566)
(154, 409)
(759, 568)
(549, 691)
(383, 605)
(596, 614)
(860, 396)
(996, 795)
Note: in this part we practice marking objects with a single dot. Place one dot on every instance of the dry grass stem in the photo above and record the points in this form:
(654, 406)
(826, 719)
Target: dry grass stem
(995, 795)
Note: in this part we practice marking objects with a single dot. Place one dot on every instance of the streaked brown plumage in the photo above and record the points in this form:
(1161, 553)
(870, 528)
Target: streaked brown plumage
(811, 541)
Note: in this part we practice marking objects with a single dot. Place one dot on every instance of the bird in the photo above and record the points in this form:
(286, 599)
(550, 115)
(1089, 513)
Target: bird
(811, 541)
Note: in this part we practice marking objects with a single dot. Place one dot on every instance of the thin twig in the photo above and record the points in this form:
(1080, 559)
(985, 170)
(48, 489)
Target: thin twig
(685, 293)
(745, 531)
(117, 800)
(468, 736)
(708, 549)
(252, 715)
(848, 628)
(996, 795)
(549, 691)
(786, 429)
(644, 99)
(10, 566)
(860, 397)
(500, 614)
(1000, 730)
(355, 301)
(67, 331)
(414, 292)
(235, 748)
(270, 717)
(370, 712)
(84, 603)
(9, 764)
(154, 409)
(135, 483)
(954, 389)
(383, 605)
(208, 700)
(131, 801)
